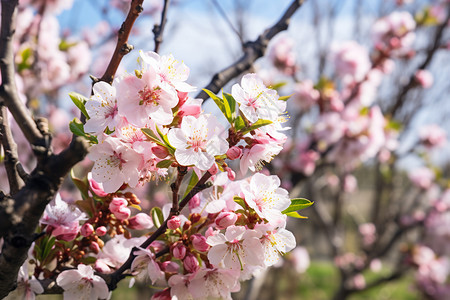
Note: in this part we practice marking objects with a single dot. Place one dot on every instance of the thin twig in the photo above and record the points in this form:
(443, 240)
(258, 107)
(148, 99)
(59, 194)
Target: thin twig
(252, 51)
(159, 29)
(227, 20)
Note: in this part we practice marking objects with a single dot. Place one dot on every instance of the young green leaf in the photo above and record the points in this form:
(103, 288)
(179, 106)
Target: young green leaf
(77, 128)
(157, 216)
(230, 106)
(295, 214)
(164, 164)
(256, 125)
(166, 141)
(239, 201)
(152, 136)
(79, 101)
(82, 185)
(217, 100)
(239, 123)
(192, 182)
(285, 98)
(297, 204)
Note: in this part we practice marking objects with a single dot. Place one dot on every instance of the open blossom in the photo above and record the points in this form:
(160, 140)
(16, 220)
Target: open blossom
(62, 219)
(394, 32)
(145, 261)
(432, 136)
(82, 284)
(141, 99)
(351, 59)
(265, 196)
(214, 283)
(114, 164)
(198, 140)
(27, 287)
(256, 101)
(276, 242)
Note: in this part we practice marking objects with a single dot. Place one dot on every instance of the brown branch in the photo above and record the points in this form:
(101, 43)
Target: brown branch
(113, 278)
(175, 186)
(401, 97)
(252, 51)
(8, 89)
(11, 156)
(122, 47)
(159, 29)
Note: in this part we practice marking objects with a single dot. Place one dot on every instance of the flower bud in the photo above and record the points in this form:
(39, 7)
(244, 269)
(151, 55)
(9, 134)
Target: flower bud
(199, 242)
(160, 151)
(96, 187)
(118, 207)
(231, 174)
(234, 152)
(94, 247)
(87, 229)
(225, 219)
(179, 251)
(190, 263)
(101, 231)
(170, 267)
(174, 223)
(195, 217)
(101, 266)
(140, 221)
(214, 169)
(194, 202)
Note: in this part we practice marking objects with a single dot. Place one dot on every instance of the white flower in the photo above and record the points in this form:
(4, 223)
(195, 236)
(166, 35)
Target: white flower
(114, 164)
(264, 195)
(198, 141)
(256, 100)
(27, 287)
(102, 108)
(82, 284)
(276, 242)
(237, 249)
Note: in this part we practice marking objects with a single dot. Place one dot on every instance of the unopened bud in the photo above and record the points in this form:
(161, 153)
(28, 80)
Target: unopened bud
(190, 263)
(179, 251)
(174, 223)
(94, 247)
(87, 229)
(101, 231)
(140, 221)
(214, 169)
(231, 174)
(225, 219)
(234, 152)
(199, 242)
(170, 267)
(160, 151)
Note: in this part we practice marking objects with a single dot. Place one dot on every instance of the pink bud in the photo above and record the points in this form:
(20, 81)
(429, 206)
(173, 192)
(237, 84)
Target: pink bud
(190, 263)
(163, 295)
(199, 242)
(140, 221)
(118, 207)
(234, 153)
(179, 251)
(225, 219)
(214, 169)
(87, 229)
(101, 266)
(174, 223)
(95, 187)
(160, 151)
(231, 174)
(170, 266)
(101, 231)
(194, 202)
(94, 247)
(424, 78)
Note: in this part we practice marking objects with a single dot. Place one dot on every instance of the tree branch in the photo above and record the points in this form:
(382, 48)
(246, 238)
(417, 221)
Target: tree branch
(10, 149)
(159, 29)
(252, 51)
(8, 89)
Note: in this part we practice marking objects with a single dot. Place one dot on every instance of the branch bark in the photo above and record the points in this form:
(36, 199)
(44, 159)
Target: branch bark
(252, 51)
(159, 29)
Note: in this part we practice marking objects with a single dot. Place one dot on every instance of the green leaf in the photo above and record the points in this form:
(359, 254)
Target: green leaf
(239, 201)
(152, 136)
(277, 85)
(256, 125)
(239, 123)
(79, 101)
(192, 182)
(82, 185)
(217, 100)
(157, 216)
(297, 204)
(166, 141)
(230, 106)
(77, 128)
(295, 214)
(164, 164)
(285, 98)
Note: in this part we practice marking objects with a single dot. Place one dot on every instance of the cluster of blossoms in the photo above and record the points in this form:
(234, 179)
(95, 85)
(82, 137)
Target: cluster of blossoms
(145, 126)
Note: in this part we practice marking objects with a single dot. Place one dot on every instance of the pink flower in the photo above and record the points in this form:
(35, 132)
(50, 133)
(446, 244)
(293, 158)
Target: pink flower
(276, 242)
(214, 283)
(424, 78)
(114, 164)
(96, 187)
(62, 219)
(190, 263)
(234, 153)
(82, 284)
(179, 251)
(305, 94)
(255, 100)
(282, 55)
(145, 260)
(27, 287)
(225, 219)
(432, 136)
(300, 259)
(351, 59)
(101, 231)
(198, 140)
(265, 196)
(422, 177)
(199, 242)
(174, 223)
